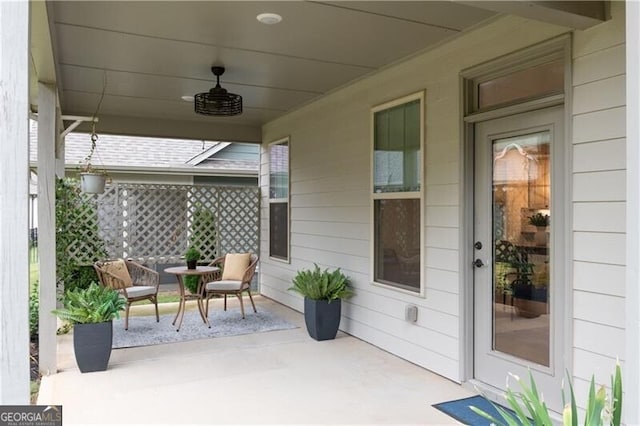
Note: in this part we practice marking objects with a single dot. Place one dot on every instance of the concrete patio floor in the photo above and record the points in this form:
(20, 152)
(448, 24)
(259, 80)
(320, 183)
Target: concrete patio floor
(273, 377)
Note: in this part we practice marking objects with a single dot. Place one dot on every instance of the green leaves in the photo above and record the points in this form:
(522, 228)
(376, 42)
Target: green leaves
(192, 254)
(322, 285)
(191, 283)
(616, 393)
(600, 410)
(91, 305)
(78, 242)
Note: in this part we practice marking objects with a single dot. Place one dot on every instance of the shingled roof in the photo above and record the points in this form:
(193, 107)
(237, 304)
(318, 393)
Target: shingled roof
(115, 151)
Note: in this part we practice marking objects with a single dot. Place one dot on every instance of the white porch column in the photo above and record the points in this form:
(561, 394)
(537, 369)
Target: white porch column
(47, 141)
(14, 202)
(631, 371)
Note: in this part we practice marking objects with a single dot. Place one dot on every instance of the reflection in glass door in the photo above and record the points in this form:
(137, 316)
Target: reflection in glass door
(521, 196)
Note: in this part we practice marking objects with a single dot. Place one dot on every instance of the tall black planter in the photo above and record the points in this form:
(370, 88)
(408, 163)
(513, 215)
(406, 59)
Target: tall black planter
(322, 318)
(92, 345)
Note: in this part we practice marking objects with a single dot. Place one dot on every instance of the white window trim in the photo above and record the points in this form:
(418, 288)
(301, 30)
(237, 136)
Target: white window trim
(399, 195)
(280, 200)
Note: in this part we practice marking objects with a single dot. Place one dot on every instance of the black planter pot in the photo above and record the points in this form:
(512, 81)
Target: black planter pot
(92, 345)
(192, 264)
(529, 301)
(322, 318)
(530, 292)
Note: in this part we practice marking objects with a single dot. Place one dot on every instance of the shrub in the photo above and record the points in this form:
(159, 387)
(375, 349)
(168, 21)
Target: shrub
(191, 283)
(34, 310)
(80, 277)
(76, 219)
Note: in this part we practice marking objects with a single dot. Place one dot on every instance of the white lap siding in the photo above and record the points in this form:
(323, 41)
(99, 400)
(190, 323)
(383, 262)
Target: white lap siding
(330, 161)
(599, 187)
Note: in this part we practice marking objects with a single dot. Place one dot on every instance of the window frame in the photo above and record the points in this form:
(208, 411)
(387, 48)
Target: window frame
(419, 195)
(287, 200)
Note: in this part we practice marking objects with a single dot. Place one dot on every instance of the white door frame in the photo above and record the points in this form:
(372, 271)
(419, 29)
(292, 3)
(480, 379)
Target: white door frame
(561, 44)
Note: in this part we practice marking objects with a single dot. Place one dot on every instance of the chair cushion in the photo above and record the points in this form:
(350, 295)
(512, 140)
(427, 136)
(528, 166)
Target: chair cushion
(119, 269)
(234, 266)
(140, 290)
(223, 285)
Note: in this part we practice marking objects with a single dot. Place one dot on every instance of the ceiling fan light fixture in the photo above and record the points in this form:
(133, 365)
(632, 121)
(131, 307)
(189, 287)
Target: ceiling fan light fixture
(218, 101)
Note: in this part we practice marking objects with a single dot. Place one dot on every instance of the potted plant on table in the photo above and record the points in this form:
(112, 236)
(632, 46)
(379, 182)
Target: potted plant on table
(540, 221)
(192, 255)
(91, 311)
(323, 292)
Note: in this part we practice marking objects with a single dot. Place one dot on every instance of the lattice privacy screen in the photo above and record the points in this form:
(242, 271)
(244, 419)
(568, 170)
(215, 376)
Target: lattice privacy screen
(155, 223)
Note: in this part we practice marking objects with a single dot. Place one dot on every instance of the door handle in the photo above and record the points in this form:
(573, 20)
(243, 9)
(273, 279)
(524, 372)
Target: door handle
(478, 263)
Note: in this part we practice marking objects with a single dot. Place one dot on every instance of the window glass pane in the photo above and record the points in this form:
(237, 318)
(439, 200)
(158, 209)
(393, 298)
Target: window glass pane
(279, 230)
(522, 262)
(397, 243)
(381, 136)
(532, 82)
(279, 171)
(397, 148)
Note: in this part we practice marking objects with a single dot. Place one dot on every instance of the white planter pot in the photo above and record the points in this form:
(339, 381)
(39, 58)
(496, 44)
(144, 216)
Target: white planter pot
(92, 183)
(541, 236)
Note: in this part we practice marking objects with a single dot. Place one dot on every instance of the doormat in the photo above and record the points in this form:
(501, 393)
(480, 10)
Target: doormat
(459, 410)
(145, 331)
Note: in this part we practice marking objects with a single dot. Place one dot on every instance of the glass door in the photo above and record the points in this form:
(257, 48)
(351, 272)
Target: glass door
(516, 324)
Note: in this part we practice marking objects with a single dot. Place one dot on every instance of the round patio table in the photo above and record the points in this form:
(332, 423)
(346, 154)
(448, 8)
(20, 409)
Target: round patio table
(180, 272)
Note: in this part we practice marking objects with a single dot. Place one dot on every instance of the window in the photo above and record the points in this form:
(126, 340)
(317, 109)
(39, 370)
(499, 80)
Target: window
(279, 200)
(397, 193)
(516, 86)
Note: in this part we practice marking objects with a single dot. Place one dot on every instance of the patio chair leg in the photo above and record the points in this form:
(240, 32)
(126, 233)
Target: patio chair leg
(206, 311)
(126, 317)
(239, 294)
(252, 304)
(225, 302)
(155, 300)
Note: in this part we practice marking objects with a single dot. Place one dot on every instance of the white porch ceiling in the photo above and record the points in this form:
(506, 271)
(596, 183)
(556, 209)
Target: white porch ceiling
(155, 52)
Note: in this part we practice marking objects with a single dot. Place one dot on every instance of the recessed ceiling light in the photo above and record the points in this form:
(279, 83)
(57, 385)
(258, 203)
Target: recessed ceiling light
(188, 98)
(269, 18)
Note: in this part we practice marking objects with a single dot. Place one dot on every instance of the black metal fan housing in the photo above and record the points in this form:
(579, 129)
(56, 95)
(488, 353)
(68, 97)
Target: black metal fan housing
(218, 101)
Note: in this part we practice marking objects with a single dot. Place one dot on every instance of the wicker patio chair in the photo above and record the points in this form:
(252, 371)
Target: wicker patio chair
(225, 285)
(132, 280)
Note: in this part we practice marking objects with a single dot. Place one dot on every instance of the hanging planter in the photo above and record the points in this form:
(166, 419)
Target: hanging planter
(92, 183)
(92, 180)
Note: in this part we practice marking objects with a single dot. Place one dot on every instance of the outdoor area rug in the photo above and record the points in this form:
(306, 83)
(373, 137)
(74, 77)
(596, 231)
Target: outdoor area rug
(459, 410)
(145, 331)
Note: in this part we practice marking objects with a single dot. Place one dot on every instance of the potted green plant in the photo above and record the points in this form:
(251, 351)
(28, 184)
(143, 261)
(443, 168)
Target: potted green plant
(529, 300)
(192, 255)
(540, 221)
(323, 292)
(91, 311)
